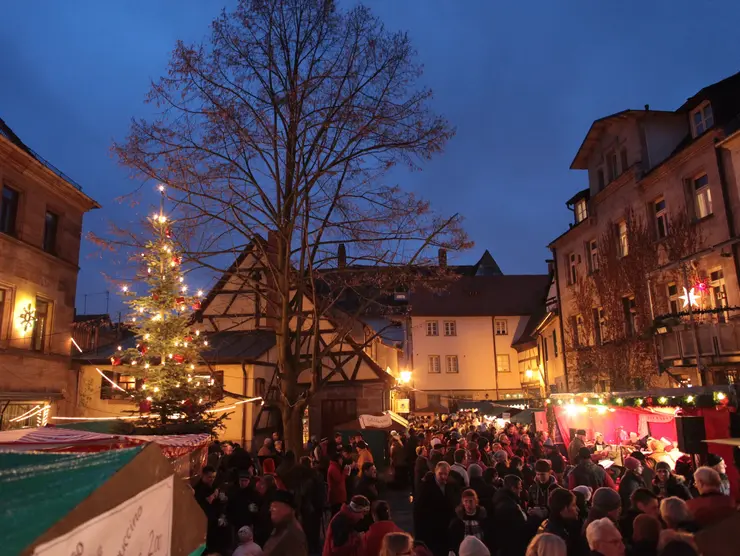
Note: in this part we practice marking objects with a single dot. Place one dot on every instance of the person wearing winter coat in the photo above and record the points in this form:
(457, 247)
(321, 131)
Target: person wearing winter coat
(367, 486)
(287, 535)
(718, 464)
(516, 526)
(711, 505)
(484, 490)
(458, 469)
(342, 537)
(642, 501)
(589, 474)
(382, 525)
(666, 484)
(434, 509)
(563, 521)
(243, 502)
(471, 520)
(544, 484)
(631, 481)
(363, 454)
(336, 481)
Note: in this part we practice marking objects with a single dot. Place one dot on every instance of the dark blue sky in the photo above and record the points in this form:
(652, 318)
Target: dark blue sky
(522, 81)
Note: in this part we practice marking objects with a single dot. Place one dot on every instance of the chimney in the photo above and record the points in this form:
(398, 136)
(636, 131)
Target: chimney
(341, 256)
(647, 107)
(442, 258)
(550, 266)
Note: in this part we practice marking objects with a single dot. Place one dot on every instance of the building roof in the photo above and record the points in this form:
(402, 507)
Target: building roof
(477, 296)
(582, 194)
(224, 347)
(527, 338)
(720, 88)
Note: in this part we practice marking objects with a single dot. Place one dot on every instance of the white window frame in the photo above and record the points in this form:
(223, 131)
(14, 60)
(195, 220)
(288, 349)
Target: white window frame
(630, 312)
(435, 364)
(452, 364)
(501, 327)
(593, 255)
(612, 166)
(581, 210)
(661, 218)
(432, 327)
(450, 327)
(599, 326)
(499, 359)
(580, 332)
(622, 237)
(702, 197)
(706, 118)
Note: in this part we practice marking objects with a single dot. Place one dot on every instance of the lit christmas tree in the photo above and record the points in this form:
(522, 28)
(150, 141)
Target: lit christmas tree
(174, 393)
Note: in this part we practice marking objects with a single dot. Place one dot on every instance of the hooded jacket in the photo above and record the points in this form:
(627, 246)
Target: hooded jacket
(373, 540)
(539, 494)
(337, 486)
(342, 538)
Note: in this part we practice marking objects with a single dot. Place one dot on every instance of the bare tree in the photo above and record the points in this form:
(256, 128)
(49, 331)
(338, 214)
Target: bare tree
(285, 125)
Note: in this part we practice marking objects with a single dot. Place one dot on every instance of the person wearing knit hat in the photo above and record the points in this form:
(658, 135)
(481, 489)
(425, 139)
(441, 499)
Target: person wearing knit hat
(718, 464)
(342, 536)
(631, 481)
(666, 484)
(605, 503)
(544, 484)
(473, 546)
(247, 546)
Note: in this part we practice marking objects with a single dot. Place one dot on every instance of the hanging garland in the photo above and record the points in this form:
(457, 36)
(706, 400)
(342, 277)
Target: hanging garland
(684, 401)
(695, 312)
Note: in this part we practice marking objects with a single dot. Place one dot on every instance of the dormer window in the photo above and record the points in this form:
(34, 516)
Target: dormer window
(702, 118)
(581, 211)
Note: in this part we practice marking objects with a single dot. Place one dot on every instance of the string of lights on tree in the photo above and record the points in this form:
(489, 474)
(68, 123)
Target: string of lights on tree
(171, 393)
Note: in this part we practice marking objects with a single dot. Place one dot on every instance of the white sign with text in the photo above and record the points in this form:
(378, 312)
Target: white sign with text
(140, 526)
(375, 421)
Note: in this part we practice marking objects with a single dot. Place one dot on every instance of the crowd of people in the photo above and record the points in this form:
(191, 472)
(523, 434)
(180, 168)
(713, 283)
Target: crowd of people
(476, 490)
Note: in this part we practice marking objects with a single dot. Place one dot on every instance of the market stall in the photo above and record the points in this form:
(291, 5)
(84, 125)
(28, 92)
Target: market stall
(187, 452)
(108, 502)
(375, 431)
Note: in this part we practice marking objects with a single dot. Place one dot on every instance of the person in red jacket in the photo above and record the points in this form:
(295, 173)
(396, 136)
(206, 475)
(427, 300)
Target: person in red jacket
(342, 537)
(335, 479)
(380, 528)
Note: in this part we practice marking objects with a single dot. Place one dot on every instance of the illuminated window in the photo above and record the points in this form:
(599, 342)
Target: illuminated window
(599, 326)
(502, 328)
(624, 247)
(581, 211)
(432, 328)
(502, 363)
(40, 325)
(661, 218)
(702, 197)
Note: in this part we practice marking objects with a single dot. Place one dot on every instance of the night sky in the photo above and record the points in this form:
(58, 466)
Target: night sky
(521, 81)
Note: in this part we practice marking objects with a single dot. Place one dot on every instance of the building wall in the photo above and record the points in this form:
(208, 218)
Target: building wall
(473, 345)
(29, 273)
(553, 365)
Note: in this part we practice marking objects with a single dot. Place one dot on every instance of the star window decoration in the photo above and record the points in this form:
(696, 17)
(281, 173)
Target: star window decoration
(28, 317)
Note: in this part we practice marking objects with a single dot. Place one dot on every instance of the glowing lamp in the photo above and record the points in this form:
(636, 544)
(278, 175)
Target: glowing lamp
(721, 396)
(161, 188)
(528, 374)
(689, 399)
(405, 377)
(601, 410)
(638, 401)
(662, 400)
(620, 401)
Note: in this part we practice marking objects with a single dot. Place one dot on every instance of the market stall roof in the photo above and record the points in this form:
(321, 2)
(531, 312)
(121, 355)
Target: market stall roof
(487, 407)
(431, 408)
(60, 438)
(525, 416)
(26, 480)
(377, 422)
(48, 496)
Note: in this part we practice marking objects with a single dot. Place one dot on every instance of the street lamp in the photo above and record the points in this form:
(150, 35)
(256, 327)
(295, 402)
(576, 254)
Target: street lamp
(405, 377)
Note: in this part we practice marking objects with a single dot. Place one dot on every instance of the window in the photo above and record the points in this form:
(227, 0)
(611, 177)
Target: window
(8, 210)
(502, 328)
(259, 387)
(502, 363)
(600, 178)
(628, 305)
(124, 383)
(40, 325)
(661, 217)
(702, 119)
(432, 328)
(451, 364)
(580, 334)
(544, 348)
(673, 298)
(572, 268)
(3, 299)
(554, 343)
(624, 160)
(434, 366)
(581, 211)
(599, 325)
(718, 295)
(51, 223)
(702, 197)
(450, 328)
(624, 247)
(612, 171)
(593, 256)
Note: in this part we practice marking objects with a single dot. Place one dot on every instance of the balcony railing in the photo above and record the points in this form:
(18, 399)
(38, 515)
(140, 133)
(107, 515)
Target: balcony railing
(719, 341)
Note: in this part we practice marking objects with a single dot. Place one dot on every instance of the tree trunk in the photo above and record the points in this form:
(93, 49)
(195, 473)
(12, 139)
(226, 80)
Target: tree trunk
(293, 428)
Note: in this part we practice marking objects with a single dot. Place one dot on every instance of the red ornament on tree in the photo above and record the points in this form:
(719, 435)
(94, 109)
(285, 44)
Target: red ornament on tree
(176, 260)
(196, 305)
(143, 349)
(115, 360)
(155, 297)
(179, 301)
(168, 232)
(189, 339)
(178, 358)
